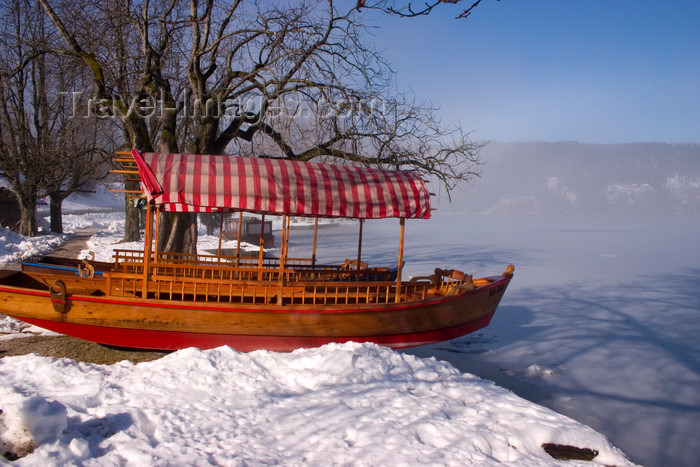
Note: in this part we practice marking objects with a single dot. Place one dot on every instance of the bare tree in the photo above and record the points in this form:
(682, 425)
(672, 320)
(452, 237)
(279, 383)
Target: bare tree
(253, 78)
(79, 150)
(74, 170)
(22, 109)
(43, 150)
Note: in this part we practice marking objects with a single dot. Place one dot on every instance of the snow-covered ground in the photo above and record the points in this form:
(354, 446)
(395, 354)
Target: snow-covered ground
(599, 324)
(345, 404)
(14, 247)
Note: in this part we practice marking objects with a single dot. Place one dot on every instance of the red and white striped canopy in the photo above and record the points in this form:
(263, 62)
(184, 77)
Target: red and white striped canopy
(204, 183)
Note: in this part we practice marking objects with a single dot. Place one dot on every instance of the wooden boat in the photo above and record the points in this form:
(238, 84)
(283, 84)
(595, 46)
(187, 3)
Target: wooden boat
(157, 300)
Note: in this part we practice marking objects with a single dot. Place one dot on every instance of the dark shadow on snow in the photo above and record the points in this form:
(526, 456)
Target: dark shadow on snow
(97, 430)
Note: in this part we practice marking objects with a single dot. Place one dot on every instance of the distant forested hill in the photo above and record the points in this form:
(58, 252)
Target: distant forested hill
(592, 179)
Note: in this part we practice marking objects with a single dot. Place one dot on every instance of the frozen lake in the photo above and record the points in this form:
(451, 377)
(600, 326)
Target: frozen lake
(600, 322)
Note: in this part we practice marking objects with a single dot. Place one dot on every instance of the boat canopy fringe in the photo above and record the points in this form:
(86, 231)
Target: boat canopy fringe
(208, 183)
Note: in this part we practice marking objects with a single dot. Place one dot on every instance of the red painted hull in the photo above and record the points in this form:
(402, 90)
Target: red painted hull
(168, 340)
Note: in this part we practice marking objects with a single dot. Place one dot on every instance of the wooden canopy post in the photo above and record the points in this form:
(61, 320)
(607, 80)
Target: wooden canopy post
(262, 244)
(313, 250)
(400, 266)
(238, 238)
(156, 215)
(289, 228)
(221, 234)
(359, 245)
(147, 250)
(283, 255)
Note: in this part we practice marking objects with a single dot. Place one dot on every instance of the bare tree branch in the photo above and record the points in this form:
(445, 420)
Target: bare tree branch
(407, 11)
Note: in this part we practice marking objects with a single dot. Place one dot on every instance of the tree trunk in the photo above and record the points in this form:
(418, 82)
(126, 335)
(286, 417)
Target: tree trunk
(136, 131)
(177, 232)
(27, 225)
(131, 215)
(55, 206)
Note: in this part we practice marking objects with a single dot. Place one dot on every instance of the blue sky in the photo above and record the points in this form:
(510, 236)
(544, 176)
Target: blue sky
(594, 71)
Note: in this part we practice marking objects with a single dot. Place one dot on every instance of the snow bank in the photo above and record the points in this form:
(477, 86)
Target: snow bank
(15, 247)
(109, 221)
(339, 404)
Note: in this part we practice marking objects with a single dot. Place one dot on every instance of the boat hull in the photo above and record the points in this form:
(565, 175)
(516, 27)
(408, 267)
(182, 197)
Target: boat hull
(168, 325)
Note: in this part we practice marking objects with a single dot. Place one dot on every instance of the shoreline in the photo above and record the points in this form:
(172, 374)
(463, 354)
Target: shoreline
(74, 349)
